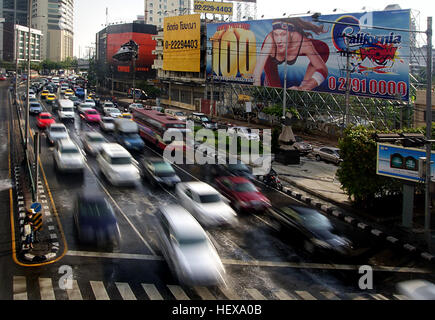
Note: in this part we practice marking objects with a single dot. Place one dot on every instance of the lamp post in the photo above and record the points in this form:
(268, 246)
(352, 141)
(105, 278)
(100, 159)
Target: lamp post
(26, 134)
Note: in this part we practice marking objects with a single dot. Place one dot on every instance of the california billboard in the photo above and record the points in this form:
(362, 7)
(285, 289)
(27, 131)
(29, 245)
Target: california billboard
(254, 53)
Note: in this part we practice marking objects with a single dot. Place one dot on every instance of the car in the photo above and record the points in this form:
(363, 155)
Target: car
(126, 115)
(90, 102)
(112, 112)
(179, 115)
(67, 156)
(117, 165)
(65, 109)
(417, 289)
(33, 100)
(134, 106)
(205, 203)
(3, 77)
(50, 97)
(317, 232)
(329, 154)
(69, 91)
(84, 106)
(56, 131)
(187, 249)
(159, 171)
(32, 95)
(201, 119)
(243, 194)
(237, 168)
(93, 142)
(244, 133)
(44, 119)
(90, 115)
(107, 124)
(80, 93)
(35, 107)
(302, 146)
(44, 94)
(75, 100)
(95, 220)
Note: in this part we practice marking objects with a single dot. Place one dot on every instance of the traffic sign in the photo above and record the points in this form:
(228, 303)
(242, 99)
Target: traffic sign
(36, 206)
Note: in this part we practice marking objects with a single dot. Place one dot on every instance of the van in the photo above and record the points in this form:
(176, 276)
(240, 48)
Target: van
(66, 109)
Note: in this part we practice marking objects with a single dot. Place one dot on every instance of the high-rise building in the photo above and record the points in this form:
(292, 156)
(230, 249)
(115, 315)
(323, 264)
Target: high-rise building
(55, 19)
(157, 10)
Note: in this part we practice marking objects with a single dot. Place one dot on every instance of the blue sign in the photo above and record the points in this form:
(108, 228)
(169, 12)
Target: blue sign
(402, 163)
(36, 206)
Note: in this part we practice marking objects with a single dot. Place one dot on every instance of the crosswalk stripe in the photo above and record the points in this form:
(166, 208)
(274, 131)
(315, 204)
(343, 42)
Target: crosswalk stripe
(46, 289)
(152, 291)
(204, 293)
(229, 293)
(74, 293)
(305, 295)
(20, 288)
(400, 297)
(99, 290)
(254, 293)
(125, 291)
(282, 295)
(355, 296)
(178, 292)
(329, 295)
(378, 296)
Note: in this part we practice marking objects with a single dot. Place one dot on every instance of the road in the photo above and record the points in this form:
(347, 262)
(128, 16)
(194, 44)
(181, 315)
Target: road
(261, 262)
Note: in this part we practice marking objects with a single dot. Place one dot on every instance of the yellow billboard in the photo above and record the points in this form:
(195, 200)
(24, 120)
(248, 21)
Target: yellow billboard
(182, 43)
(224, 8)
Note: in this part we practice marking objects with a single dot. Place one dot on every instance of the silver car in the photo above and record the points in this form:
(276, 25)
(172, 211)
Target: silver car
(329, 154)
(206, 204)
(56, 131)
(112, 112)
(93, 142)
(187, 249)
(302, 146)
(67, 156)
(417, 289)
(107, 124)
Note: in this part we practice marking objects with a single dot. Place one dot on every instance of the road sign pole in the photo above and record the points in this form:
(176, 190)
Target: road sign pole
(36, 148)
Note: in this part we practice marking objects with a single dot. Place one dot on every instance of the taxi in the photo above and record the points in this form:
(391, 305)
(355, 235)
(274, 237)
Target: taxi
(44, 94)
(69, 91)
(50, 97)
(127, 115)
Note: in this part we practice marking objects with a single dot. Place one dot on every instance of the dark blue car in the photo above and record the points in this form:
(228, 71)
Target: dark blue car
(80, 93)
(95, 220)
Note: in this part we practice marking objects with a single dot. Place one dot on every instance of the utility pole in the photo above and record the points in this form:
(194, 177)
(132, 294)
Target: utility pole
(284, 91)
(16, 65)
(347, 95)
(28, 81)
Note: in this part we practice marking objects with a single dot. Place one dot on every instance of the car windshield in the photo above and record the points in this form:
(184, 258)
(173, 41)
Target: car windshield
(176, 125)
(67, 109)
(205, 119)
(189, 238)
(180, 114)
(58, 129)
(73, 98)
(96, 138)
(35, 105)
(245, 187)
(108, 120)
(95, 208)
(70, 150)
(163, 169)
(92, 112)
(45, 117)
(113, 110)
(209, 198)
(121, 160)
(313, 219)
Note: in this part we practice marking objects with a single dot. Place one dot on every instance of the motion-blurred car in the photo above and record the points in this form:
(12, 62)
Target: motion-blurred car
(111, 112)
(95, 220)
(417, 289)
(243, 194)
(44, 119)
(107, 124)
(3, 77)
(179, 115)
(93, 142)
(69, 91)
(244, 133)
(314, 229)
(117, 165)
(134, 106)
(126, 115)
(44, 94)
(56, 131)
(201, 119)
(190, 254)
(205, 203)
(67, 156)
(75, 100)
(84, 106)
(329, 154)
(35, 107)
(238, 169)
(90, 102)
(158, 171)
(302, 146)
(90, 115)
(50, 98)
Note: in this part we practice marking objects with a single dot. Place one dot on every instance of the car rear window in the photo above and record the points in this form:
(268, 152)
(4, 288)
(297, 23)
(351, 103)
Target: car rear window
(120, 160)
(209, 198)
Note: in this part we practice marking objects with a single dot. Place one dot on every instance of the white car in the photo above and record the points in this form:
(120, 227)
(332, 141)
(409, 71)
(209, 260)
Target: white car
(67, 156)
(90, 102)
(187, 249)
(112, 112)
(108, 104)
(117, 165)
(63, 88)
(135, 106)
(56, 131)
(244, 132)
(83, 106)
(107, 124)
(205, 203)
(93, 142)
(66, 111)
(417, 289)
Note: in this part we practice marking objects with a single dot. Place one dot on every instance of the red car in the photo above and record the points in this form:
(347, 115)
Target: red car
(242, 193)
(90, 115)
(44, 119)
(3, 77)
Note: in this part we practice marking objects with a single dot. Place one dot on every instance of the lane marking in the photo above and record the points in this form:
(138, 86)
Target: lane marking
(281, 294)
(178, 292)
(400, 297)
(378, 296)
(46, 289)
(74, 292)
(204, 293)
(329, 295)
(305, 295)
(20, 288)
(125, 291)
(151, 291)
(255, 294)
(229, 293)
(99, 290)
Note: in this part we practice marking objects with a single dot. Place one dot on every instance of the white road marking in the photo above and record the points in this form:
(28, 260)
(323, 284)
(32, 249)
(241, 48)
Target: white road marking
(152, 291)
(283, 295)
(99, 290)
(20, 287)
(125, 291)
(379, 296)
(329, 295)
(204, 293)
(400, 297)
(74, 292)
(46, 289)
(229, 293)
(254, 293)
(178, 292)
(305, 295)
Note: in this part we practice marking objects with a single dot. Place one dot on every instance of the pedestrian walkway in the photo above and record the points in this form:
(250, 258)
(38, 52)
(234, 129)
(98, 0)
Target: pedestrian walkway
(43, 288)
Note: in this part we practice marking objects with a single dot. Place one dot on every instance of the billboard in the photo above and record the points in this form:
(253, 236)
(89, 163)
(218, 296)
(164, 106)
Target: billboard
(182, 43)
(254, 53)
(145, 57)
(223, 8)
(402, 163)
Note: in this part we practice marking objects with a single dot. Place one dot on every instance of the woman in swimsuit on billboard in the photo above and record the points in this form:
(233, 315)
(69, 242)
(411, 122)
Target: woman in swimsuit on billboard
(300, 43)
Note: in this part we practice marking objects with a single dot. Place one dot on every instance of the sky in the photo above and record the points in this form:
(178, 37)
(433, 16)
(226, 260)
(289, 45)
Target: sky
(90, 16)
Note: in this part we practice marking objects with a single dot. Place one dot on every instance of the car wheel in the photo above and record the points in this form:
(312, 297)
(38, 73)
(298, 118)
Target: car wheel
(318, 157)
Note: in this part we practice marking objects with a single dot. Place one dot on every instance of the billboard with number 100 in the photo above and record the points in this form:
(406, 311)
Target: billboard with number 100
(254, 53)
